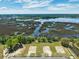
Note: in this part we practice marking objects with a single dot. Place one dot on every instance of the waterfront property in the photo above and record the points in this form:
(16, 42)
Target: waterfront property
(53, 37)
(44, 49)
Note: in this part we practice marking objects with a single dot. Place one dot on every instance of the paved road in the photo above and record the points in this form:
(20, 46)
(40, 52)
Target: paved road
(39, 58)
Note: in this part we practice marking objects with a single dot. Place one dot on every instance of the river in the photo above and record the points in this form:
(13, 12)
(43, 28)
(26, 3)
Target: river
(36, 32)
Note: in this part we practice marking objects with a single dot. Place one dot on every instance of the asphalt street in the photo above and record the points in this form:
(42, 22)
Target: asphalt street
(38, 58)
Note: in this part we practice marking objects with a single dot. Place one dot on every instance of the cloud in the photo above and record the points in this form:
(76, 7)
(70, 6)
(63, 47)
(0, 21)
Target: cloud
(66, 6)
(21, 1)
(20, 11)
(73, 0)
(18, 1)
(63, 7)
(53, 8)
(3, 8)
(25, 11)
(39, 6)
(36, 4)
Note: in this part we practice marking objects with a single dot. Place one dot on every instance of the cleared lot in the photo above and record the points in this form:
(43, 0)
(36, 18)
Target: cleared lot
(60, 49)
(44, 49)
(47, 51)
(32, 50)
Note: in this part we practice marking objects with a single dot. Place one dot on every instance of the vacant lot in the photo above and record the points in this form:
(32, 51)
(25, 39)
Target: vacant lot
(1, 51)
(39, 49)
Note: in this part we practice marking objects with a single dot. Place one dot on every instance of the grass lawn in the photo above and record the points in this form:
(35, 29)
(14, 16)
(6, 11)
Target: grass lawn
(77, 46)
(40, 49)
(1, 51)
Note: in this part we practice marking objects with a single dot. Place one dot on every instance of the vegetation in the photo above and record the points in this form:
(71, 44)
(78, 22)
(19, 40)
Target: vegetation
(15, 42)
(3, 39)
(54, 36)
(65, 42)
(1, 51)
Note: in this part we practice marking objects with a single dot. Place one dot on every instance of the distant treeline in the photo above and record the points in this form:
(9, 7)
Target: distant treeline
(43, 16)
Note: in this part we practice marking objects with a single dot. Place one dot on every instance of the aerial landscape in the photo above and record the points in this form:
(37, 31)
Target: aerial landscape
(39, 29)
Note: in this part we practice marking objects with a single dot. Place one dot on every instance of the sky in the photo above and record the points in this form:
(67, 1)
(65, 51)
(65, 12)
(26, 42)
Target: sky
(39, 6)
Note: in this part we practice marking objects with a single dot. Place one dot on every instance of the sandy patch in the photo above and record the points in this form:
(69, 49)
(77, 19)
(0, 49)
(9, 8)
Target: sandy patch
(59, 49)
(32, 50)
(47, 51)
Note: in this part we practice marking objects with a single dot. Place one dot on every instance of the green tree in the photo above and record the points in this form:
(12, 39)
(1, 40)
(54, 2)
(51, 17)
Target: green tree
(56, 38)
(3, 39)
(50, 40)
(30, 39)
(65, 42)
(9, 43)
(42, 39)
